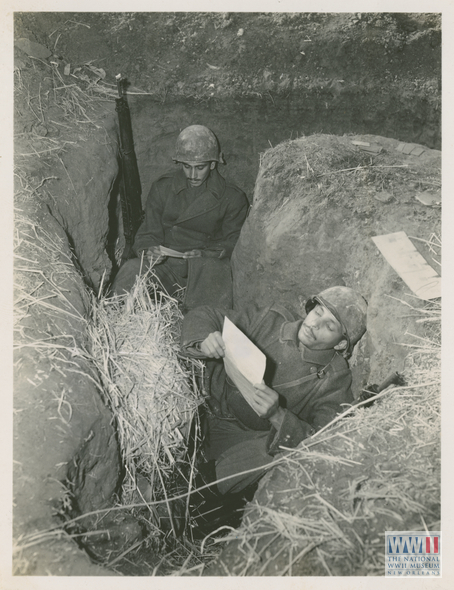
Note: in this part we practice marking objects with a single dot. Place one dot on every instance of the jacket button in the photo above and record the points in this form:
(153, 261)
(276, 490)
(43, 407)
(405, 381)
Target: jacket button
(313, 369)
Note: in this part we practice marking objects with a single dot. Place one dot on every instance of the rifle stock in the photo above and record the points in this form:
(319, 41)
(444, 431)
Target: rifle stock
(130, 188)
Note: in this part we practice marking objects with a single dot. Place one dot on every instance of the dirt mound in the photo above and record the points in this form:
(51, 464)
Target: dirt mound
(65, 447)
(318, 202)
(324, 510)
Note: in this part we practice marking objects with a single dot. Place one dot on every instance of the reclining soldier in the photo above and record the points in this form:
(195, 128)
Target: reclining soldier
(307, 380)
(195, 212)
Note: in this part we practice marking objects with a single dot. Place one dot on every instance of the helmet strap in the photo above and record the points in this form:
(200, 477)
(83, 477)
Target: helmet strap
(342, 345)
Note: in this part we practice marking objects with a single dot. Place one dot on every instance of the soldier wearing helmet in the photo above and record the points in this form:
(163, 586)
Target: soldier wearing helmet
(307, 380)
(196, 213)
(348, 307)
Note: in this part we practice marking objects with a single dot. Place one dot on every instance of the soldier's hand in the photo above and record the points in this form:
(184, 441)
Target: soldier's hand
(214, 253)
(266, 400)
(213, 346)
(193, 254)
(154, 255)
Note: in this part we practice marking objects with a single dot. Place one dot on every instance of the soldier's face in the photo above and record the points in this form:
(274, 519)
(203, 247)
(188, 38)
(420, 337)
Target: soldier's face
(320, 330)
(197, 172)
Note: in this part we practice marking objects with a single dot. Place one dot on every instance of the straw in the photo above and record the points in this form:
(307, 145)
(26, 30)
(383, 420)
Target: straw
(145, 382)
(153, 429)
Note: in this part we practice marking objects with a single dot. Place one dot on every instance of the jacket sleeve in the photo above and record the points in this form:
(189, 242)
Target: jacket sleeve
(151, 231)
(198, 323)
(232, 222)
(202, 321)
(334, 398)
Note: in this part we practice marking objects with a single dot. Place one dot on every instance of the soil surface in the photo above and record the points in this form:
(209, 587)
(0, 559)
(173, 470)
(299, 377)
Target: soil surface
(366, 73)
(257, 80)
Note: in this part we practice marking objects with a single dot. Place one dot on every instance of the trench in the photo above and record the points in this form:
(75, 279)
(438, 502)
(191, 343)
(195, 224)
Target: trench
(248, 127)
(245, 128)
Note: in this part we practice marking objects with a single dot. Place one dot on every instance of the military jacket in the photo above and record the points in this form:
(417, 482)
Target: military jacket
(209, 219)
(313, 385)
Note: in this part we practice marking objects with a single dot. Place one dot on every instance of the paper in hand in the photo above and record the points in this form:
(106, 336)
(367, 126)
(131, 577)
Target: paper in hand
(172, 253)
(244, 362)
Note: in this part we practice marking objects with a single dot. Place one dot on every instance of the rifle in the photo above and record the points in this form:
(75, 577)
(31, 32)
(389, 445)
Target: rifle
(372, 390)
(130, 189)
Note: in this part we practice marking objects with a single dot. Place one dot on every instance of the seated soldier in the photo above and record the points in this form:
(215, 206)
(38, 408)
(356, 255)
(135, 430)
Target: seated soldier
(194, 211)
(307, 380)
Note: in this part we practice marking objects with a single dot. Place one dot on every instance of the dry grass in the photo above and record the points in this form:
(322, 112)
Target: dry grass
(43, 274)
(376, 470)
(347, 484)
(134, 360)
(331, 167)
(152, 392)
(63, 108)
(47, 340)
(364, 474)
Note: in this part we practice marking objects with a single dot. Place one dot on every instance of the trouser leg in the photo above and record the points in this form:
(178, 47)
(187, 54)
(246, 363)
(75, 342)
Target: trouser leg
(243, 465)
(127, 274)
(235, 450)
(170, 275)
(211, 510)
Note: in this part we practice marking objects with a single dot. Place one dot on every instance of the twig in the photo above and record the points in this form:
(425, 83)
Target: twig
(429, 242)
(70, 180)
(299, 556)
(42, 182)
(360, 168)
(128, 550)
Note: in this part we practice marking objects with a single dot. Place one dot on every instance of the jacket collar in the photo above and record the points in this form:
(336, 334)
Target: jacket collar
(289, 333)
(215, 183)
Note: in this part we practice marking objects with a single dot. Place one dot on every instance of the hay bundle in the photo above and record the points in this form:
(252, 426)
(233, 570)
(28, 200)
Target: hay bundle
(150, 389)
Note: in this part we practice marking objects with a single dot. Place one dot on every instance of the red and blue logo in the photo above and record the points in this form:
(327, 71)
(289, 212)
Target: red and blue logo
(412, 544)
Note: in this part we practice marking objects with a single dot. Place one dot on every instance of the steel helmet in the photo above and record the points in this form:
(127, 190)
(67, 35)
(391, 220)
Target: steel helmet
(197, 143)
(348, 307)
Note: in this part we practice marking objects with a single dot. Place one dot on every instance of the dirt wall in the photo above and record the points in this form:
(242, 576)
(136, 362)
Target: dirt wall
(65, 449)
(318, 202)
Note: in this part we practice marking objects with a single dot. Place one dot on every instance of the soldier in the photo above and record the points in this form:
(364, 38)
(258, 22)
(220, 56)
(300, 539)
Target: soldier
(195, 212)
(307, 380)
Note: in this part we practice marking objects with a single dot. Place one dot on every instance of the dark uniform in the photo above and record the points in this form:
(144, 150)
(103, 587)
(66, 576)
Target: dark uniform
(313, 386)
(207, 218)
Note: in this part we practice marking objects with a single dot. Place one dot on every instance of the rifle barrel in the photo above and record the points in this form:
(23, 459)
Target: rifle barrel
(119, 80)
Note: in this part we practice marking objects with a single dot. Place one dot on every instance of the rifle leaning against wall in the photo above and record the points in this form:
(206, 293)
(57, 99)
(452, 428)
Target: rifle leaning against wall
(130, 189)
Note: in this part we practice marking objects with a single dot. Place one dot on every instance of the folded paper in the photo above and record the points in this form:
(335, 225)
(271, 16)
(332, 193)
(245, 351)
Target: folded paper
(244, 362)
(401, 254)
(172, 253)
